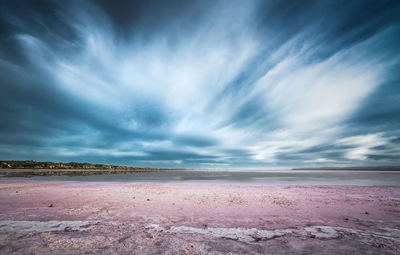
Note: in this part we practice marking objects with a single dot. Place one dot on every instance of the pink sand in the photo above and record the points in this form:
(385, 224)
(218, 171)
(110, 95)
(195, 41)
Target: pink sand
(107, 218)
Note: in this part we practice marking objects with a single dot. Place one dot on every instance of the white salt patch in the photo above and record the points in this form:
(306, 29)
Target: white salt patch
(40, 226)
(387, 233)
(241, 234)
(322, 232)
(250, 235)
(392, 232)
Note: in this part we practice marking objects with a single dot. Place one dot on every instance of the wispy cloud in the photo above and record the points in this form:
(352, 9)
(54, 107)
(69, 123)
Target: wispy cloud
(218, 85)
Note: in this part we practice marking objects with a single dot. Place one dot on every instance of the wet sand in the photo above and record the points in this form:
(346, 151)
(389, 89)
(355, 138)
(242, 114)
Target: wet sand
(150, 218)
(248, 177)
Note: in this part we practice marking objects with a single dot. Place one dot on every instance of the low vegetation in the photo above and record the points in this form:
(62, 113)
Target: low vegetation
(30, 164)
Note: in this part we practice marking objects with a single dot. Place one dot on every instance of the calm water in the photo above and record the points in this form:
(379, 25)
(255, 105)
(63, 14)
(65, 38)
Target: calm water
(314, 177)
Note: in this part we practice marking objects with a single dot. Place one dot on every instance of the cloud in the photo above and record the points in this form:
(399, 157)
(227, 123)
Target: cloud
(243, 84)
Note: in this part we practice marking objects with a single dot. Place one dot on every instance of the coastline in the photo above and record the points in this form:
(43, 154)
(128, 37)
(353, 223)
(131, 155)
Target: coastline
(40, 172)
(26, 173)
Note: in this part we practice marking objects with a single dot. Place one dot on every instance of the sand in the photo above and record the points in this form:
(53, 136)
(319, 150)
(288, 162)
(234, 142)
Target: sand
(115, 218)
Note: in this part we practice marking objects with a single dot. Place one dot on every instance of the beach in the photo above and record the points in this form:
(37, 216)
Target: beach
(69, 217)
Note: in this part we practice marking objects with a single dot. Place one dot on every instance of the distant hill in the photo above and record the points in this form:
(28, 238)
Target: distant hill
(30, 164)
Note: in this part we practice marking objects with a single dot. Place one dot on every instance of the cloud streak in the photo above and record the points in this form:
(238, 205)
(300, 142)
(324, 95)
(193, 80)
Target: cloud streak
(219, 84)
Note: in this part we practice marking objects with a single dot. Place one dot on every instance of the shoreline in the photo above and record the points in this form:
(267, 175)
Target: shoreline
(196, 183)
(26, 173)
(243, 178)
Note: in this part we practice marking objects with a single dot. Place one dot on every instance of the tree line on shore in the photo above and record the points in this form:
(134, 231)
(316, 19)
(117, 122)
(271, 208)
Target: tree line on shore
(31, 164)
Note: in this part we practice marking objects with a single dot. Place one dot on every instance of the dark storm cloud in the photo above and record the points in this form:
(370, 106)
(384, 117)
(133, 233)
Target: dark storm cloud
(201, 83)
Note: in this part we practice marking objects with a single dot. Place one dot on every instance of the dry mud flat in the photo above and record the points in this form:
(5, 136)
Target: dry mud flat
(112, 218)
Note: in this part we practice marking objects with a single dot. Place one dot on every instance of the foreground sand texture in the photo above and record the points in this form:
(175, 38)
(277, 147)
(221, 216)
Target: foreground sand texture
(113, 218)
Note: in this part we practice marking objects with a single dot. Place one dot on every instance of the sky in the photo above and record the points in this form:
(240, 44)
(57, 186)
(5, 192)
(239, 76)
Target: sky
(201, 84)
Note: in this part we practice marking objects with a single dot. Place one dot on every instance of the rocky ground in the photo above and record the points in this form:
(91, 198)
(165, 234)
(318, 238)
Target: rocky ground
(113, 218)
